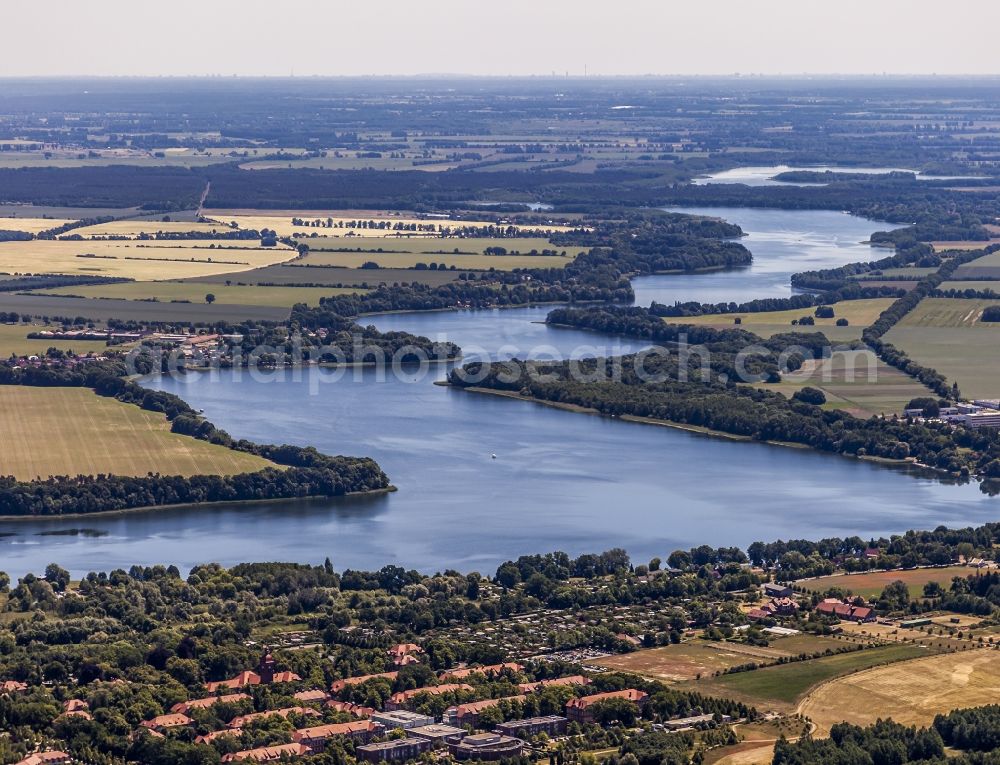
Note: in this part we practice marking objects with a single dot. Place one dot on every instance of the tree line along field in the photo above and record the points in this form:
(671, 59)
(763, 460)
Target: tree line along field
(283, 225)
(406, 260)
(193, 292)
(947, 335)
(73, 431)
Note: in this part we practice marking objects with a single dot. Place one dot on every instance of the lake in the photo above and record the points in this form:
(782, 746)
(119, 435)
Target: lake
(764, 176)
(559, 480)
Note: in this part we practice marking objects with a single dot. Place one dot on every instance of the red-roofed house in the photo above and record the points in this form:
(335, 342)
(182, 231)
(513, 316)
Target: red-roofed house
(401, 699)
(338, 685)
(353, 709)
(315, 739)
(13, 686)
(161, 723)
(46, 758)
(468, 714)
(267, 753)
(183, 707)
(554, 681)
(491, 670)
(405, 653)
(313, 695)
(847, 611)
(581, 709)
(242, 720)
(242, 680)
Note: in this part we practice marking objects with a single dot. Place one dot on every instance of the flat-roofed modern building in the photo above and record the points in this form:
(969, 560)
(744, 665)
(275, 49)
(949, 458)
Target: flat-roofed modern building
(393, 751)
(401, 718)
(485, 747)
(551, 725)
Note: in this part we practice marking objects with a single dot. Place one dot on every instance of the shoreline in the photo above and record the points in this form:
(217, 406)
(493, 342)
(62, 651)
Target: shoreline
(184, 505)
(701, 430)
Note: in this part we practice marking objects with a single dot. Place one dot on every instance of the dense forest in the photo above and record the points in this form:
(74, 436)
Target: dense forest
(734, 409)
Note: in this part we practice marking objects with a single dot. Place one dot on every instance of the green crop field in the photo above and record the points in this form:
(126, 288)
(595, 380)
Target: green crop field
(986, 266)
(194, 292)
(99, 309)
(73, 431)
(292, 274)
(787, 683)
(947, 334)
(855, 381)
(14, 339)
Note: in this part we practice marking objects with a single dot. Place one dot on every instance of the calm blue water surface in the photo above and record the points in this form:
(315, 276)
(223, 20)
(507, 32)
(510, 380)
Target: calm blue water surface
(559, 480)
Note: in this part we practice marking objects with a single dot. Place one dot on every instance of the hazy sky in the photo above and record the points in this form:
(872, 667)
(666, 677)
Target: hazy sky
(520, 37)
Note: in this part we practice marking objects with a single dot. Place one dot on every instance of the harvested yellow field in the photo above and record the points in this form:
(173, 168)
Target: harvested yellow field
(134, 228)
(910, 692)
(342, 225)
(132, 260)
(73, 431)
(32, 225)
(966, 245)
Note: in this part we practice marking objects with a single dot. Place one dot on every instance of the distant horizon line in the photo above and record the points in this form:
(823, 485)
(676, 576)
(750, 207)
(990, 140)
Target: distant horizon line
(539, 76)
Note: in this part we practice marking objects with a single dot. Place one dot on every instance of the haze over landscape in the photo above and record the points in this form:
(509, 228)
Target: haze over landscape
(633, 37)
(527, 383)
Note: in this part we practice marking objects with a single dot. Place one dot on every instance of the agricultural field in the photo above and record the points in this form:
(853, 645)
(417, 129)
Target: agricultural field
(193, 292)
(99, 310)
(987, 266)
(913, 272)
(859, 313)
(73, 431)
(947, 312)
(947, 334)
(134, 228)
(295, 273)
(871, 583)
(32, 225)
(132, 260)
(974, 244)
(14, 339)
(857, 382)
(436, 245)
(911, 693)
(354, 162)
(688, 661)
(780, 686)
(980, 285)
(75, 158)
(403, 260)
